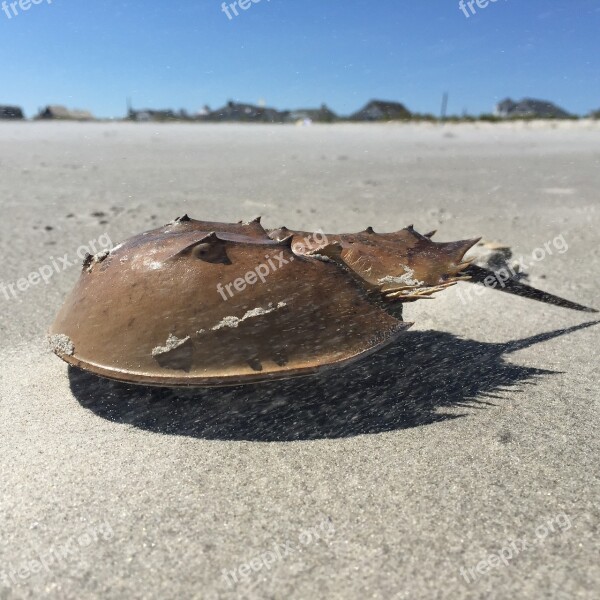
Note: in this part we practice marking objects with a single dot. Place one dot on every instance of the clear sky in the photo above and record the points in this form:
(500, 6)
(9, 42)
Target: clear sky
(299, 53)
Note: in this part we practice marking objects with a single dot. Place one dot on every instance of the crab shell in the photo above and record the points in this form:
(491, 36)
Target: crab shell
(210, 304)
(403, 265)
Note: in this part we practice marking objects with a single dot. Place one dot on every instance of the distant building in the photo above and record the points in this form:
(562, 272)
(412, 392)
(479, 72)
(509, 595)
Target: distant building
(146, 115)
(61, 113)
(11, 113)
(380, 110)
(313, 115)
(529, 107)
(236, 112)
(203, 113)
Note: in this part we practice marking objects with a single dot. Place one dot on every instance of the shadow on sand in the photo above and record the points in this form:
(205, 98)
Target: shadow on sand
(406, 385)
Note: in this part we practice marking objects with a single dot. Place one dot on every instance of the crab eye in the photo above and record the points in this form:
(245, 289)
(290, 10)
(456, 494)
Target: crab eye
(201, 251)
(210, 252)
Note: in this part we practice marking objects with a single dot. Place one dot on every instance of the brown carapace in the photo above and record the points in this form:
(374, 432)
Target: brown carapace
(198, 303)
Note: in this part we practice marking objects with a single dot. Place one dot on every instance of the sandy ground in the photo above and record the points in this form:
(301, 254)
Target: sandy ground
(460, 463)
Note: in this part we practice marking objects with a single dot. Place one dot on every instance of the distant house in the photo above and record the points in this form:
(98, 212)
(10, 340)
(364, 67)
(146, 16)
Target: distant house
(505, 108)
(314, 115)
(236, 112)
(61, 113)
(380, 110)
(147, 115)
(529, 107)
(203, 113)
(11, 113)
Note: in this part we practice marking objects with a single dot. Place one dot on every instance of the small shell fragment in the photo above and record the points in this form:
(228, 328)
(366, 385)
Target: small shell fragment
(61, 344)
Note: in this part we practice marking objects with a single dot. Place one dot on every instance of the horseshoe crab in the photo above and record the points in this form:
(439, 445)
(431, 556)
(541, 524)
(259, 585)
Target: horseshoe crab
(198, 303)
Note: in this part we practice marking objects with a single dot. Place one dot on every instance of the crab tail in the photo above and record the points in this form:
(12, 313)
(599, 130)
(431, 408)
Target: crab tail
(491, 279)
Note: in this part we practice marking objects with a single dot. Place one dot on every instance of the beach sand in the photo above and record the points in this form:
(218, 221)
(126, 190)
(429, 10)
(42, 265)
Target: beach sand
(413, 474)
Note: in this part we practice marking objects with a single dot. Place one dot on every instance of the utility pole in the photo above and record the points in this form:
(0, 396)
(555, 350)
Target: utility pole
(444, 107)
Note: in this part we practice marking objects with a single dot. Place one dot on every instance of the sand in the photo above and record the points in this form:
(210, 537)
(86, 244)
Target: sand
(460, 463)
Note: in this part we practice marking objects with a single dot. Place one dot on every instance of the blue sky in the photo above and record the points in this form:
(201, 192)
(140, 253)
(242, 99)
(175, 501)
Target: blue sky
(299, 53)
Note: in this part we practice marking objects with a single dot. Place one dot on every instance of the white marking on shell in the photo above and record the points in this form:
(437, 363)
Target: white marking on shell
(320, 257)
(172, 343)
(406, 279)
(233, 322)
